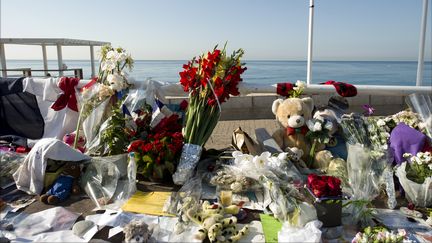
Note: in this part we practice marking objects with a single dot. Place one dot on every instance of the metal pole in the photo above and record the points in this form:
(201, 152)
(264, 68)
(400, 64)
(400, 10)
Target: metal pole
(3, 60)
(45, 60)
(310, 39)
(92, 62)
(420, 63)
(60, 59)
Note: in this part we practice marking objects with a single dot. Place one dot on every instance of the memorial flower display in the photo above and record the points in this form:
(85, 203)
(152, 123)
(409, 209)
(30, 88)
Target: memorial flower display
(210, 80)
(379, 235)
(157, 152)
(112, 79)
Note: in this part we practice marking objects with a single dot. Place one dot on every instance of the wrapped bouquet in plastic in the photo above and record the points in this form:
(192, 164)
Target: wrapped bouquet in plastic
(367, 168)
(415, 176)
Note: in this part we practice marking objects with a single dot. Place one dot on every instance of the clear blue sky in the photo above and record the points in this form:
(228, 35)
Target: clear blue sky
(181, 29)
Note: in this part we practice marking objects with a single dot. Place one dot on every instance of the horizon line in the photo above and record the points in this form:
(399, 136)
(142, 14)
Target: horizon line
(254, 60)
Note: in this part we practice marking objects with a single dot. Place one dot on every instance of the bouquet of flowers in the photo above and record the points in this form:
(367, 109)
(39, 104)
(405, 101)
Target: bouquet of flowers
(319, 133)
(379, 235)
(96, 95)
(297, 90)
(415, 177)
(379, 134)
(365, 172)
(327, 195)
(157, 153)
(419, 166)
(422, 104)
(210, 80)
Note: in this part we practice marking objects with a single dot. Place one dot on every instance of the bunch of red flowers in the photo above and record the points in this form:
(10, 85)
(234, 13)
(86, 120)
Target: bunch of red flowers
(160, 148)
(324, 186)
(222, 73)
(208, 79)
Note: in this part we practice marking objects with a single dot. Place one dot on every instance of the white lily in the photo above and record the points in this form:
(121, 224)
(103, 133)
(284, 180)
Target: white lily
(112, 55)
(108, 65)
(261, 160)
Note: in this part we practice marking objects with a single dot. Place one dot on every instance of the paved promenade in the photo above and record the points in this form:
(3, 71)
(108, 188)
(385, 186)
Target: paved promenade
(222, 134)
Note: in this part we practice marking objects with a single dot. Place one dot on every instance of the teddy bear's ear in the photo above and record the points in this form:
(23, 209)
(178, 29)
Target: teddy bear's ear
(308, 101)
(276, 104)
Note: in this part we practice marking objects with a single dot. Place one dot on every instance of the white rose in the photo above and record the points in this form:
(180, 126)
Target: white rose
(300, 84)
(430, 166)
(317, 127)
(381, 122)
(310, 124)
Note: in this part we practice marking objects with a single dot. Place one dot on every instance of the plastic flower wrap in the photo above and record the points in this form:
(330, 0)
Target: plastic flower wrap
(422, 104)
(379, 235)
(210, 80)
(366, 172)
(276, 175)
(415, 176)
(319, 133)
(95, 96)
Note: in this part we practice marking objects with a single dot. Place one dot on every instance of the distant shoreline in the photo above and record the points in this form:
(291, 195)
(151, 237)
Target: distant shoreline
(246, 60)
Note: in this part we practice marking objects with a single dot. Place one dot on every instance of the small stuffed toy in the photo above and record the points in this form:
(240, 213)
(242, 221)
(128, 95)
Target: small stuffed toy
(69, 139)
(292, 114)
(216, 224)
(137, 232)
(63, 185)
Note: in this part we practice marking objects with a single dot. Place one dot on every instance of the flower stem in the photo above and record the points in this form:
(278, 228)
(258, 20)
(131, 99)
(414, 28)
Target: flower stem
(312, 153)
(75, 145)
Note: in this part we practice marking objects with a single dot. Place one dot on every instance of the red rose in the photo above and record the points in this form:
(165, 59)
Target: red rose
(334, 186)
(319, 188)
(310, 179)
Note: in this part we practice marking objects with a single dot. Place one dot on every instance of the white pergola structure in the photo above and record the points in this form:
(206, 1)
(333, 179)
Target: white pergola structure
(44, 42)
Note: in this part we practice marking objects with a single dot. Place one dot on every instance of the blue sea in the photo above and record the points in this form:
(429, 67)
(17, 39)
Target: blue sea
(271, 72)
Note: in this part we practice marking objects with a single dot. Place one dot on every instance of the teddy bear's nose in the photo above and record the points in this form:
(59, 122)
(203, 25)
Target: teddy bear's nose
(298, 120)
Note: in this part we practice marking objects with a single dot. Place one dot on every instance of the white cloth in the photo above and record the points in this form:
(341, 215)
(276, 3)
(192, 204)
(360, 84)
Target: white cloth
(46, 90)
(30, 175)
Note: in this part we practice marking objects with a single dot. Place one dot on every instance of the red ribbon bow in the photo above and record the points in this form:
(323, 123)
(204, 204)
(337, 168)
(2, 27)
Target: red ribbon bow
(68, 98)
(291, 131)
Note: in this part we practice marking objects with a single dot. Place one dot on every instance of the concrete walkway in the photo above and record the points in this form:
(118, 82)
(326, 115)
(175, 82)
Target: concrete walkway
(222, 134)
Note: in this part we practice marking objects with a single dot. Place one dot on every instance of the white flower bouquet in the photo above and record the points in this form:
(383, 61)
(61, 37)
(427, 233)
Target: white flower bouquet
(378, 235)
(415, 176)
(319, 133)
(96, 97)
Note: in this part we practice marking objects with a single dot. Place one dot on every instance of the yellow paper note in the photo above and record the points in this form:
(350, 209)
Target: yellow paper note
(147, 203)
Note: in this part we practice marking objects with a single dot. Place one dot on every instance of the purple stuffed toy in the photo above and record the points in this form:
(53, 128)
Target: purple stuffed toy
(405, 139)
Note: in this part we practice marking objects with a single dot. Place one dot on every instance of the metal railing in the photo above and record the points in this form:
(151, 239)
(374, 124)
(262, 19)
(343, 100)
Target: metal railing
(28, 72)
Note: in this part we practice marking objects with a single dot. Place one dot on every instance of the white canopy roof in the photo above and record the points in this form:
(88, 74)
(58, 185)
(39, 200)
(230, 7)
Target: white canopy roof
(51, 42)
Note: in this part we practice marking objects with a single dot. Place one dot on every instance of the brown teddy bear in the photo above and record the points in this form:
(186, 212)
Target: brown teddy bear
(292, 114)
(63, 185)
